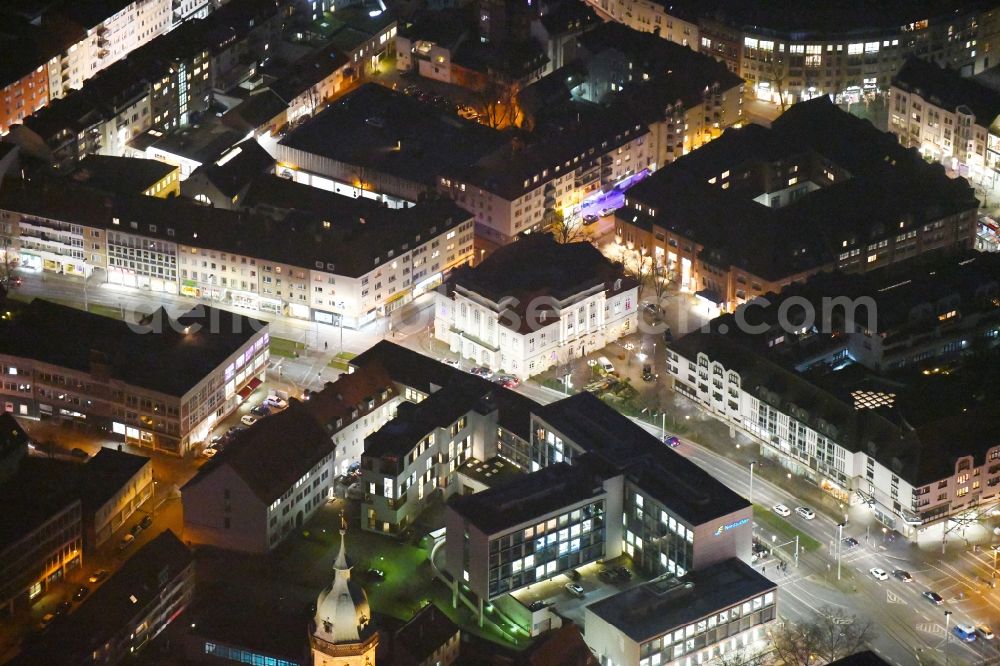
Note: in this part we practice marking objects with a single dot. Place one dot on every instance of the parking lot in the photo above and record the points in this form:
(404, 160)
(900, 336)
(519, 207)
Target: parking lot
(568, 603)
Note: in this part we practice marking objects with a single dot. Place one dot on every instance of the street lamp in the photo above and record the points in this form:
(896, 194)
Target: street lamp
(947, 635)
(750, 494)
(840, 541)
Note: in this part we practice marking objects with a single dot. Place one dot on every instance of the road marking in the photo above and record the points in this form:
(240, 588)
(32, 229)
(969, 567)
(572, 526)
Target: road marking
(893, 598)
(932, 628)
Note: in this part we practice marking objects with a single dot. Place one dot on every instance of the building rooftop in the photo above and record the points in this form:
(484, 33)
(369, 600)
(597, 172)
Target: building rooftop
(538, 266)
(622, 445)
(866, 658)
(841, 19)
(274, 453)
(889, 182)
(564, 646)
(650, 610)
(493, 472)
(107, 611)
(125, 351)
(39, 489)
(199, 143)
(948, 89)
(120, 175)
(527, 497)
(377, 128)
(427, 631)
(106, 474)
(237, 168)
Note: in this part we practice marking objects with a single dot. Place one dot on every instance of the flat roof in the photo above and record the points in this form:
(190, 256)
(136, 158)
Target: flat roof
(493, 472)
(527, 497)
(125, 175)
(168, 362)
(37, 491)
(378, 128)
(624, 447)
(107, 473)
(650, 610)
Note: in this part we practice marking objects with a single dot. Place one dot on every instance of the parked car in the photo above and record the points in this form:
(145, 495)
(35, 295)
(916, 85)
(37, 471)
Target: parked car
(81, 592)
(805, 512)
(965, 632)
(604, 364)
(482, 371)
(261, 410)
(590, 219)
(575, 589)
(64, 608)
(900, 574)
(376, 574)
(781, 510)
(126, 541)
(574, 575)
(209, 451)
(248, 419)
(46, 620)
(850, 542)
(98, 576)
(647, 374)
(274, 402)
(79, 453)
(933, 597)
(607, 575)
(146, 522)
(607, 210)
(508, 381)
(672, 441)
(624, 573)
(878, 574)
(134, 531)
(984, 632)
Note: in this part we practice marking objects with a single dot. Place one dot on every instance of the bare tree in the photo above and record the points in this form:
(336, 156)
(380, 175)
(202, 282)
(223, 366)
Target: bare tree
(563, 230)
(498, 103)
(638, 265)
(660, 280)
(8, 257)
(743, 656)
(777, 71)
(829, 635)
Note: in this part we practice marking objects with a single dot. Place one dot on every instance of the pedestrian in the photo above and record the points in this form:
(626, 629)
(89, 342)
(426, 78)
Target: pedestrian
(326, 345)
(763, 569)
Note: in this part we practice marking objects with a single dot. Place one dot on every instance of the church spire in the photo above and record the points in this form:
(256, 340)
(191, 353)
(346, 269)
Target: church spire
(341, 562)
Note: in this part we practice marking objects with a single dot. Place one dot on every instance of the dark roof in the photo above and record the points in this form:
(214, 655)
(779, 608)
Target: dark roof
(261, 107)
(105, 474)
(122, 349)
(946, 88)
(378, 128)
(200, 143)
(527, 497)
(237, 168)
(538, 266)
(866, 658)
(564, 646)
(427, 631)
(308, 71)
(835, 19)
(37, 491)
(649, 610)
(13, 438)
(351, 394)
(120, 175)
(445, 27)
(569, 17)
(29, 43)
(427, 375)
(889, 183)
(348, 246)
(105, 613)
(510, 60)
(274, 453)
(623, 446)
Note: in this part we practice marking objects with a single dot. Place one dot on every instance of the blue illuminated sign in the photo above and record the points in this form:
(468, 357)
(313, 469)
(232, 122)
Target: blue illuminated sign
(731, 526)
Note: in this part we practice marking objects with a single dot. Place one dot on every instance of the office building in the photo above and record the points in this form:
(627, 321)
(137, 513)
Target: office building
(110, 374)
(536, 304)
(727, 608)
(114, 487)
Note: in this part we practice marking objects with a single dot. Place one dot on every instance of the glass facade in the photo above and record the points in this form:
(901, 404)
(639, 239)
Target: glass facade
(655, 539)
(245, 656)
(706, 639)
(549, 547)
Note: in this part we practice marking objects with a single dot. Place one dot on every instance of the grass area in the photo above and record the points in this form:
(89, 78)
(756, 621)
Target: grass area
(341, 360)
(95, 308)
(285, 347)
(783, 529)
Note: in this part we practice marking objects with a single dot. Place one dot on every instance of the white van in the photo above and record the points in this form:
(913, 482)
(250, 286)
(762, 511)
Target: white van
(605, 364)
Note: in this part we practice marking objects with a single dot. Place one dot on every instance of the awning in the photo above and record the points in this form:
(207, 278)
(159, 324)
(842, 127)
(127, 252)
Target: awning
(245, 392)
(254, 383)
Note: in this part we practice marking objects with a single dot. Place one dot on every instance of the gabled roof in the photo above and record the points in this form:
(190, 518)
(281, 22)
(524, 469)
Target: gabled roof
(238, 168)
(948, 89)
(273, 453)
(426, 632)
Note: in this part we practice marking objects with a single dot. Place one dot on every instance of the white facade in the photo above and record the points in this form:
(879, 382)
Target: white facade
(650, 17)
(479, 329)
(119, 508)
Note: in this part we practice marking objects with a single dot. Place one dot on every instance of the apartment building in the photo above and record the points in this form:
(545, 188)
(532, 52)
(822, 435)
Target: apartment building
(789, 54)
(947, 118)
(727, 608)
(41, 532)
(128, 175)
(758, 209)
(111, 373)
(536, 304)
(871, 400)
(126, 612)
(362, 260)
(113, 486)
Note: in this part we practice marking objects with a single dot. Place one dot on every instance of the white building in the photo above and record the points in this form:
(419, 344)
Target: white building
(535, 304)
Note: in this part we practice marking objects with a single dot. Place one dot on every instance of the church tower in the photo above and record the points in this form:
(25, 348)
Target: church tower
(342, 633)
